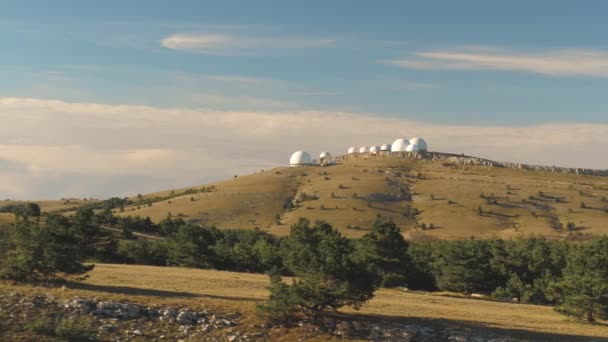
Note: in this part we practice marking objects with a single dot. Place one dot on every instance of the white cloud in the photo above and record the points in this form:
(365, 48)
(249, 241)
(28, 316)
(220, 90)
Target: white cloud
(228, 44)
(53, 149)
(588, 63)
(241, 80)
(318, 93)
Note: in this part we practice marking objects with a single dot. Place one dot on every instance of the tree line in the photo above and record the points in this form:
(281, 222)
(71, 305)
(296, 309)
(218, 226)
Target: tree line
(327, 270)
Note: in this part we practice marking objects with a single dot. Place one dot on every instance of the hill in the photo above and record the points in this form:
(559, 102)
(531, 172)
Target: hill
(429, 196)
(46, 206)
(226, 292)
(444, 197)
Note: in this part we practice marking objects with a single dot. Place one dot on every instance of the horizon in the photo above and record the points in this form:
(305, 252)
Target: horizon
(115, 99)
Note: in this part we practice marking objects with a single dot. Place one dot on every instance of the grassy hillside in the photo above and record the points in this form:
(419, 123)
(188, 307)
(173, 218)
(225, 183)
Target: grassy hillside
(352, 194)
(45, 206)
(226, 292)
(6, 219)
(51, 205)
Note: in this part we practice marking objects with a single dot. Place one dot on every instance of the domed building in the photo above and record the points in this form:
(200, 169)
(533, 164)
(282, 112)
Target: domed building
(374, 149)
(363, 149)
(385, 147)
(300, 158)
(399, 145)
(422, 146)
(325, 158)
(413, 148)
(352, 150)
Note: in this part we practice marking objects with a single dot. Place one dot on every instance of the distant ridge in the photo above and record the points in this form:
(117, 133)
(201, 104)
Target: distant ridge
(465, 160)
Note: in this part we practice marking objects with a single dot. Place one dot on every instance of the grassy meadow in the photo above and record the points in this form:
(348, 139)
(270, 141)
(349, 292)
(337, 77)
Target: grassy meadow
(352, 194)
(226, 292)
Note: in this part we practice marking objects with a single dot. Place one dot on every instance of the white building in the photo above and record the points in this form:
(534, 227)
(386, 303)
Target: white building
(399, 145)
(325, 158)
(352, 150)
(385, 147)
(300, 158)
(363, 149)
(374, 149)
(413, 148)
(422, 146)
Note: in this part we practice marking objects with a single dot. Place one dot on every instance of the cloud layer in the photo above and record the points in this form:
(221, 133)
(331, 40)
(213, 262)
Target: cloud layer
(227, 44)
(53, 149)
(588, 63)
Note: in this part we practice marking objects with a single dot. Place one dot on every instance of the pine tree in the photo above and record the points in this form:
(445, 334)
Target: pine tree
(327, 274)
(583, 290)
(37, 251)
(385, 251)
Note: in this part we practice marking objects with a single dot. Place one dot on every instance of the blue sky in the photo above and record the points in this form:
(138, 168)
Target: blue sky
(157, 86)
(312, 55)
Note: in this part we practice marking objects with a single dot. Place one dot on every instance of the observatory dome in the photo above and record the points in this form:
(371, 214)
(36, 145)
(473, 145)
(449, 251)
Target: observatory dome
(385, 147)
(420, 142)
(363, 149)
(413, 148)
(325, 158)
(300, 158)
(374, 149)
(352, 149)
(399, 145)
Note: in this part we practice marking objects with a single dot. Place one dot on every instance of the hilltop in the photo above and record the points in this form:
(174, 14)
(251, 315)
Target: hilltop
(429, 195)
(440, 196)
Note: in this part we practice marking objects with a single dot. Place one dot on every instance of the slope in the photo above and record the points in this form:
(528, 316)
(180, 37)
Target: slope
(226, 292)
(426, 198)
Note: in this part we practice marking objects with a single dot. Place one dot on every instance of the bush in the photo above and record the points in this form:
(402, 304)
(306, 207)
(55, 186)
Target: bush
(65, 329)
(73, 330)
(385, 252)
(41, 325)
(327, 275)
(393, 280)
(37, 251)
(583, 290)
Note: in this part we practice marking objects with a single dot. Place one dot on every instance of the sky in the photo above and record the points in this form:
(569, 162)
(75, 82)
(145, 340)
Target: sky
(103, 98)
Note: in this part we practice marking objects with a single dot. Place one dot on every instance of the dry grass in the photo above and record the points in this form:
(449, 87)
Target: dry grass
(364, 189)
(228, 292)
(6, 218)
(51, 205)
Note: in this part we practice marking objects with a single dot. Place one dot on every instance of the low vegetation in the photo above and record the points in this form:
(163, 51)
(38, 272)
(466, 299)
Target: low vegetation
(331, 270)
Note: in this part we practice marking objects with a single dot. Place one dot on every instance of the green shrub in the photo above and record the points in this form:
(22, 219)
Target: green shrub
(393, 280)
(73, 330)
(41, 325)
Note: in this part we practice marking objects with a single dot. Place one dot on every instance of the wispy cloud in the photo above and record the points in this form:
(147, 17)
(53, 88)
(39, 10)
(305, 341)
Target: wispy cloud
(53, 149)
(318, 93)
(587, 63)
(230, 44)
(241, 80)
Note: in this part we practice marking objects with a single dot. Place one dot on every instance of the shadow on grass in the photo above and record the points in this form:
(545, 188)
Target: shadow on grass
(459, 327)
(136, 291)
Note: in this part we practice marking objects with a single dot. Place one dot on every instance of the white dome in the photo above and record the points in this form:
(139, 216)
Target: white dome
(363, 149)
(300, 158)
(399, 145)
(325, 158)
(413, 148)
(385, 147)
(352, 149)
(374, 149)
(420, 142)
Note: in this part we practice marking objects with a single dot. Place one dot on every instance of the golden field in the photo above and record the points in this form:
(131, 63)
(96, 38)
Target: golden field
(226, 292)
(352, 194)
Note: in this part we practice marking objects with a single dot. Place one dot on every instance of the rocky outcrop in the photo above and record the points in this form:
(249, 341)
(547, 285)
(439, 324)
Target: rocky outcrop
(462, 160)
(123, 321)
